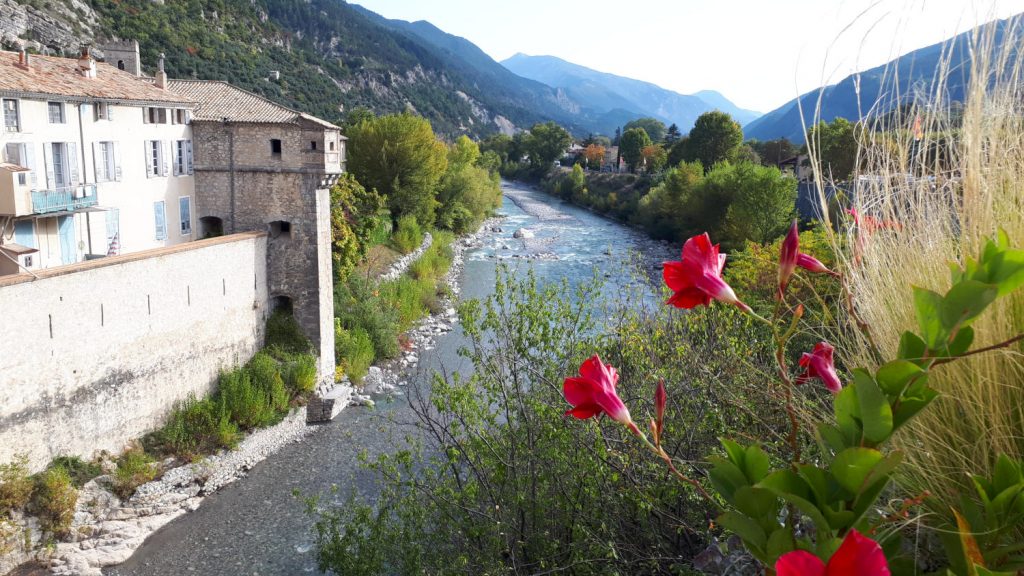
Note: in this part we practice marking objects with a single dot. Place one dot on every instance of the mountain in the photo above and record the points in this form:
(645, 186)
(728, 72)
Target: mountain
(331, 56)
(881, 88)
(603, 92)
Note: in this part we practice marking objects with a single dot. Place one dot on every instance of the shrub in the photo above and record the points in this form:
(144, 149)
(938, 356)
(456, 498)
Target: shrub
(134, 468)
(283, 333)
(266, 377)
(79, 470)
(358, 304)
(15, 485)
(197, 427)
(354, 352)
(247, 405)
(54, 502)
(408, 236)
(301, 374)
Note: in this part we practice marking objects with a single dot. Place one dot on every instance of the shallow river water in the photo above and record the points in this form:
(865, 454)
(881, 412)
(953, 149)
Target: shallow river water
(256, 526)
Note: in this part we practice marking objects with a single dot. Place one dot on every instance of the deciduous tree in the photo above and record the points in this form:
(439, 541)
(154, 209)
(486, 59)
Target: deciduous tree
(655, 128)
(594, 154)
(631, 146)
(715, 138)
(835, 143)
(546, 143)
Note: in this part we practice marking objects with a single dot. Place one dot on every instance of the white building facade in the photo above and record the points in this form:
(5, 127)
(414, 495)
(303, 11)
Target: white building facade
(94, 161)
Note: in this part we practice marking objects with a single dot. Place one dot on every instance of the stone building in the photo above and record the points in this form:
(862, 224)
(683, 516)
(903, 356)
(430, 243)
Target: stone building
(262, 167)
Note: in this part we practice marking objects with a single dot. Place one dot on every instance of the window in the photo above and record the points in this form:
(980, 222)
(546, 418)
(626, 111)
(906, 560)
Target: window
(160, 213)
(120, 64)
(312, 145)
(275, 147)
(179, 158)
(185, 215)
(332, 146)
(155, 164)
(22, 179)
(56, 110)
(154, 115)
(280, 229)
(180, 116)
(61, 162)
(11, 120)
(102, 111)
(106, 163)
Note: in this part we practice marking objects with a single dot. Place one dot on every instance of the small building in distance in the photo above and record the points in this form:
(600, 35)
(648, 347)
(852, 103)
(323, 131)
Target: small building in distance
(95, 161)
(263, 167)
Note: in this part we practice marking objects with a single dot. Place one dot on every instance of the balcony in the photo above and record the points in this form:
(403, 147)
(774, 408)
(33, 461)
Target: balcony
(63, 199)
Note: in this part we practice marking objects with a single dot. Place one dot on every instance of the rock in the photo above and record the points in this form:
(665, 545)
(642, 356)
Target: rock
(522, 233)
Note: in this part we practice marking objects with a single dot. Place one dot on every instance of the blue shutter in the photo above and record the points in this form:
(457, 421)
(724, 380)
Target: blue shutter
(25, 233)
(185, 215)
(66, 230)
(160, 210)
(113, 228)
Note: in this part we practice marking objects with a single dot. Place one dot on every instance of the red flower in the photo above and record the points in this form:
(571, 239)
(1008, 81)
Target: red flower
(857, 556)
(660, 398)
(790, 257)
(696, 280)
(593, 392)
(819, 364)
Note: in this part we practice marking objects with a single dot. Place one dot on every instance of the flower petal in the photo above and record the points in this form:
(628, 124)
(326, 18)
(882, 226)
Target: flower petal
(700, 252)
(578, 390)
(857, 556)
(592, 369)
(799, 563)
(677, 276)
(689, 298)
(584, 411)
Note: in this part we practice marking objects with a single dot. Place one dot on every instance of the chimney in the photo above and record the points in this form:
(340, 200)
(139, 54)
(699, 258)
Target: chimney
(23, 59)
(86, 64)
(161, 76)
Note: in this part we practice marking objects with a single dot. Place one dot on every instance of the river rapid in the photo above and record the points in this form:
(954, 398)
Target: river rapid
(256, 526)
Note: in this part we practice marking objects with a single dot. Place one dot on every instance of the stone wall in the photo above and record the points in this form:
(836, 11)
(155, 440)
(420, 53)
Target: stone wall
(97, 353)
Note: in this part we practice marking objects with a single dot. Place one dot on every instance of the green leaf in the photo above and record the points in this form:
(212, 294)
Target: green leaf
(928, 306)
(725, 477)
(747, 529)
(734, 450)
(875, 411)
(852, 467)
(791, 488)
(894, 376)
(847, 410)
(961, 342)
(1006, 474)
(758, 503)
(909, 406)
(832, 437)
(756, 464)
(964, 302)
(912, 347)
(779, 542)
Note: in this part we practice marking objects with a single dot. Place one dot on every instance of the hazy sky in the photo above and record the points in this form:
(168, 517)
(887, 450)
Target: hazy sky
(758, 53)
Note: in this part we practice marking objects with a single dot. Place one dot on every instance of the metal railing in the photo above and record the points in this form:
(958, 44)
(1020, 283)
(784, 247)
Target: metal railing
(63, 199)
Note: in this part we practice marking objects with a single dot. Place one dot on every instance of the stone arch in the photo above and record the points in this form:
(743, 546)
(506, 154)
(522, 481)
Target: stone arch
(280, 229)
(120, 64)
(282, 302)
(211, 227)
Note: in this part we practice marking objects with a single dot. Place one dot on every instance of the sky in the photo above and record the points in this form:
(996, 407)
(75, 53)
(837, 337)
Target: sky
(758, 53)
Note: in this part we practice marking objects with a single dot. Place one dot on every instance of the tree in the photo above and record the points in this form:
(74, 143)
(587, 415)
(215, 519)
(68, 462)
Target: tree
(654, 157)
(678, 152)
(546, 143)
(655, 128)
(746, 201)
(672, 135)
(500, 144)
(594, 154)
(836, 146)
(399, 156)
(774, 152)
(631, 146)
(355, 213)
(357, 115)
(467, 192)
(715, 138)
(665, 212)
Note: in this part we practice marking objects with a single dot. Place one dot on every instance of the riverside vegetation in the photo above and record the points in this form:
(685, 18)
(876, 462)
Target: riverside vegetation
(907, 461)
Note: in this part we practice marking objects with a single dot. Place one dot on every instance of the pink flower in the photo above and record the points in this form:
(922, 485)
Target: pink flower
(593, 392)
(696, 280)
(819, 364)
(790, 257)
(857, 556)
(660, 398)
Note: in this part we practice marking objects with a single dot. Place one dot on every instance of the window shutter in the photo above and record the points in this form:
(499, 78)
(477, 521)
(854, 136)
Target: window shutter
(72, 149)
(159, 210)
(147, 155)
(117, 161)
(175, 157)
(98, 166)
(145, 115)
(29, 161)
(110, 111)
(48, 162)
(96, 116)
(162, 146)
(188, 156)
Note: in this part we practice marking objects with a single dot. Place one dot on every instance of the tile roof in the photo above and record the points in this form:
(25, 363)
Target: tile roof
(219, 100)
(48, 76)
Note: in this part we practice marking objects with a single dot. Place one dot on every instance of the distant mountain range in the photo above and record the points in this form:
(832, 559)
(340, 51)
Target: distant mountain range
(611, 100)
(880, 88)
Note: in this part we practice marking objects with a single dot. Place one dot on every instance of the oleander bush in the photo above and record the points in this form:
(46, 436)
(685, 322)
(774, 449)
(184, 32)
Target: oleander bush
(53, 502)
(408, 234)
(196, 427)
(15, 485)
(300, 374)
(354, 352)
(134, 468)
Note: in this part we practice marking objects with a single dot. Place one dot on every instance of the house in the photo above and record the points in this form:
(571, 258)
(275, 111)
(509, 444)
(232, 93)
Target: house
(96, 160)
(260, 166)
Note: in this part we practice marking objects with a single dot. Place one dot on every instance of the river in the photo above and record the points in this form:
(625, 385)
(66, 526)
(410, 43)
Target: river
(257, 527)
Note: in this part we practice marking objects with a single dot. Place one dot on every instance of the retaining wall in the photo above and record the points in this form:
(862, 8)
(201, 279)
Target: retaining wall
(96, 354)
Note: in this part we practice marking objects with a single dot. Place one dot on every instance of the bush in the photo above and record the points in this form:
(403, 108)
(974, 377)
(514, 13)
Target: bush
(283, 333)
(266, 377)
(358, 304)
(54, 502)
(79, 470)
(15, 485)
(301, 374)
(134, 468)
(197, 427)
(354, 353)
(408, 236)
(247, 405)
